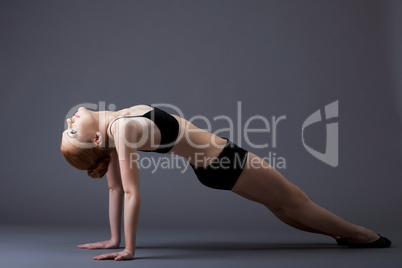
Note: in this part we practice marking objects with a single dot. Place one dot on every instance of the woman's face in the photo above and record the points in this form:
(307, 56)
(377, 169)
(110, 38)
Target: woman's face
(81, 127)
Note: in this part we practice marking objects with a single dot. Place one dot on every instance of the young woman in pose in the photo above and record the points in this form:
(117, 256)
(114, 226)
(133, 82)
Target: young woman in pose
(106, 142)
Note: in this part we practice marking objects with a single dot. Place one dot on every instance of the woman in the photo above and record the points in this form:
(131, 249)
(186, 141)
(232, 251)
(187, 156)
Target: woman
(106, 142)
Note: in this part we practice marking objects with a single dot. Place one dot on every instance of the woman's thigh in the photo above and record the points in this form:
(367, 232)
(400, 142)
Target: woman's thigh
(261, 183)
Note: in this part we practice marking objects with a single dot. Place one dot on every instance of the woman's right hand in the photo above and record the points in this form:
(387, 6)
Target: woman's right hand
(100, 245)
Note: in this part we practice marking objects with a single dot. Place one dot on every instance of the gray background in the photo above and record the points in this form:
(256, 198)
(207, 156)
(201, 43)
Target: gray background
(276, 57)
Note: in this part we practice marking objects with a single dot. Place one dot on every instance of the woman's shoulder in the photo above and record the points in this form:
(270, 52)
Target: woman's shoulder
(125, 131)
(138, 107)
(127, 124)
(135, 110)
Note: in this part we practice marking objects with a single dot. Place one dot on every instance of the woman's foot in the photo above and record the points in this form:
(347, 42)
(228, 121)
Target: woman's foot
(342, 241)
(366, 236)
(382, 242)
(367, 239)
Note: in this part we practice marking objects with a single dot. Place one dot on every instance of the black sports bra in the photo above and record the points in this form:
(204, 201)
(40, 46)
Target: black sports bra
(167, 124)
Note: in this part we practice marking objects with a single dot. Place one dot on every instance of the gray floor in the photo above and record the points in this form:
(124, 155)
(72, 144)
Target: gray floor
(55, 246)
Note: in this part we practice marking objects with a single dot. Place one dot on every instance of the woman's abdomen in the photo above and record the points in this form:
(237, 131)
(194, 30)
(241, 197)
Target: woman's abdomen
(198, 146)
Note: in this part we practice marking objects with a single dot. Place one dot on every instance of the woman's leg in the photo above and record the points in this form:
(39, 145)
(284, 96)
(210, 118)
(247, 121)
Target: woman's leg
(261, 183)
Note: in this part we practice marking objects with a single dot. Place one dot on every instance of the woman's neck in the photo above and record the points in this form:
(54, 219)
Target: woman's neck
(102, 120)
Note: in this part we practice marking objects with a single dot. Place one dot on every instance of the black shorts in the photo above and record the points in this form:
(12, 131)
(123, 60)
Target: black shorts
(223, 172)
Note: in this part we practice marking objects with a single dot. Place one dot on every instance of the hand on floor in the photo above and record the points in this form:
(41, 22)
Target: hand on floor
(100, 245)
(117, 256)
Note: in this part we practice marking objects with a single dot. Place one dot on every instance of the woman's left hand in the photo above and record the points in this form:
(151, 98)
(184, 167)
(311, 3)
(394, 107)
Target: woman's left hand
(117, 256)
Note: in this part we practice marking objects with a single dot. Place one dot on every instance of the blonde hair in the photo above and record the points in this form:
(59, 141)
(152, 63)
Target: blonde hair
(94, 159)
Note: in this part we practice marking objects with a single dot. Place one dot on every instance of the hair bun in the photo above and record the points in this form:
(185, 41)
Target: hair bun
(100, 168)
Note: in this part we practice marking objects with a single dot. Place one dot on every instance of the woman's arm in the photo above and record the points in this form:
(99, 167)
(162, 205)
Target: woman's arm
(115, 206)
(132, 202)
(127, 155)
(115, 198)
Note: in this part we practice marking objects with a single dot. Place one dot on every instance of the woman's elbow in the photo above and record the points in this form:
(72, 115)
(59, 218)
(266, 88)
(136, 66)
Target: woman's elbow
(132, 195)
(116, 190)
